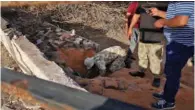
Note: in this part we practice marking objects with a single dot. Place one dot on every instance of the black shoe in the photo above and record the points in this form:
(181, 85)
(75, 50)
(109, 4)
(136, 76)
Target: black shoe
(156, 82)
(163, 105)
(158, 95)
(137, 73)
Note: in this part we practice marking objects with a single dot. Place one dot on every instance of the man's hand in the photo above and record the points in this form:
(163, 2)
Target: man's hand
(154, 12)
(157, 12)
(159, 23)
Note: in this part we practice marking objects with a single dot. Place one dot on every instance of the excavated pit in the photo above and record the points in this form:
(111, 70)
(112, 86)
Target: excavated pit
(67, 51)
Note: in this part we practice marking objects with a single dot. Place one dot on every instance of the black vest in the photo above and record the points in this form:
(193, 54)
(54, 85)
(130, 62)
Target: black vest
(148, 33)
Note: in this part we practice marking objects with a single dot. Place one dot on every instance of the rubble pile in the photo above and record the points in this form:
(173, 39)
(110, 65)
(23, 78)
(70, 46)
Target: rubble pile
(46, 35)
(64, 47)
(50, 39)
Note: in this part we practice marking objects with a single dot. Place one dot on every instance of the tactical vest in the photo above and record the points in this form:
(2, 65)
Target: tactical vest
(148, 33)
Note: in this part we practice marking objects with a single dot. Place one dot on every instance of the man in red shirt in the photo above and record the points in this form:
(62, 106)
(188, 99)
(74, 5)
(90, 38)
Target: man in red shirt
(134, 38)
(130, 12)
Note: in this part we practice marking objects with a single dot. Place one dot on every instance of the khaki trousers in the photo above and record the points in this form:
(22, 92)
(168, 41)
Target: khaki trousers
(150, 53)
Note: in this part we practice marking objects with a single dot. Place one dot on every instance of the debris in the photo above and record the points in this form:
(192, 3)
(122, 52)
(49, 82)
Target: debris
(58, 42)
(39, 41)
(58, 30)
(65, 36)
(15, 37)
(18, 33)
(59, 33)
(52, 45)
(77, 41)
(87, 44)
(40, 33)
(47, 33)
(73, 33)
(111, 83)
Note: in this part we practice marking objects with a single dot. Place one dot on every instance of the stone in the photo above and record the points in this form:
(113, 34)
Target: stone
(98, 82)
(58, 42)
(95, 89)
(58, 29)
(111, 84)
(73, 32)
(65, 36)
(87, 44)
(59, 33)
(77, 41)
(40, 32)
(122, 85)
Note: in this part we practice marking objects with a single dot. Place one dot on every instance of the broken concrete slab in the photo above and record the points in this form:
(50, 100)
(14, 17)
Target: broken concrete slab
(32, 62)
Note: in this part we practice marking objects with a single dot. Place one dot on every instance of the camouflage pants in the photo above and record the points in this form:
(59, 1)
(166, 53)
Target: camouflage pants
(150, 53)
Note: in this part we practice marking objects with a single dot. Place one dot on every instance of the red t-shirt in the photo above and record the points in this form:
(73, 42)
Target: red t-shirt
(132, 9)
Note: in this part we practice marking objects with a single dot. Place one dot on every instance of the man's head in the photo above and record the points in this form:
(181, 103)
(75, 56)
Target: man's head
(89, 62)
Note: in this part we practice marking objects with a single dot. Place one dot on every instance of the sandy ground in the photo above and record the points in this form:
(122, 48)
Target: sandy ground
(6, 59)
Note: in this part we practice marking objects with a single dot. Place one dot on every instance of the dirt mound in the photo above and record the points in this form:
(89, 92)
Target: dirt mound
(74, 58)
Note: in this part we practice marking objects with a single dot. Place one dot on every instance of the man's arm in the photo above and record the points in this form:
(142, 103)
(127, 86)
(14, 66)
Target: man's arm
(177, 21)
(183, 10)
(133, 22)
(126, 21)
(128, 16)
